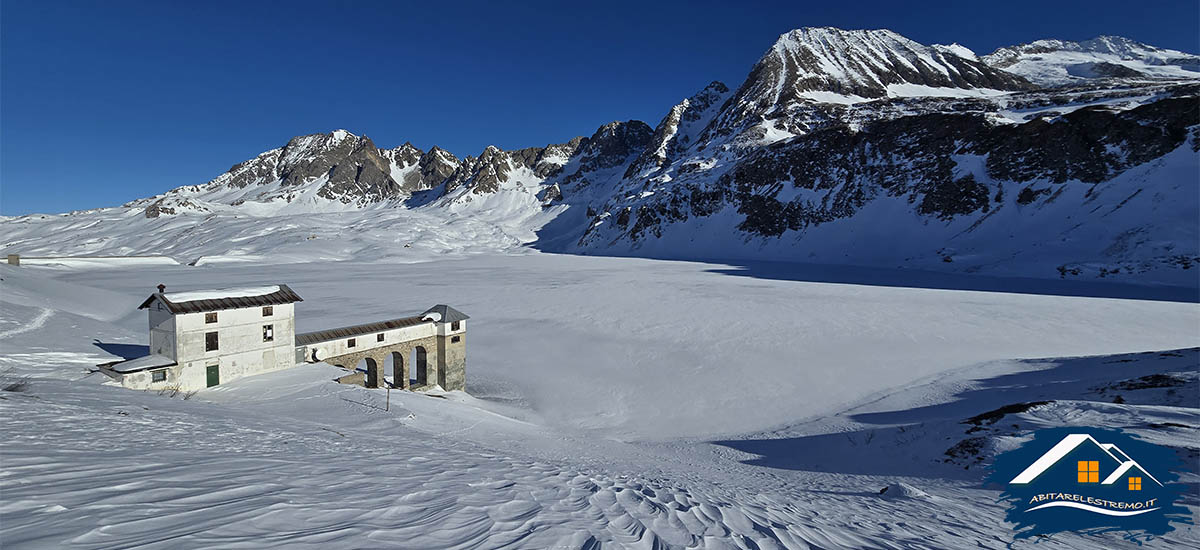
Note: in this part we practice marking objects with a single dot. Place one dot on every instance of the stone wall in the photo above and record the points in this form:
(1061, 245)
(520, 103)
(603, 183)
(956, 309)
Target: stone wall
(452, 361)
(379, 355)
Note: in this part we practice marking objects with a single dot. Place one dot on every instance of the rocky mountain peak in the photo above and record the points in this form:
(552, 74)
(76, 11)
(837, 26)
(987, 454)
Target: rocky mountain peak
(614, 142)
(867, 63)
(678, 131)
(1055, 63)
(817, 69)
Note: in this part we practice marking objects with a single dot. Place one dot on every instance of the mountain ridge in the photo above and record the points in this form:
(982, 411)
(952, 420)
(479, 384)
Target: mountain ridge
(828, 127)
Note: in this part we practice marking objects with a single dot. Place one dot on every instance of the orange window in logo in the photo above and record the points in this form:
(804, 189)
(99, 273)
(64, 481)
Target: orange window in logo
(1089, 471)
(1135, 484)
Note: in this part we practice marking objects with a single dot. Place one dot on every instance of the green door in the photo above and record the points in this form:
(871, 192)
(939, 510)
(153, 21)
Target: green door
(214, 375)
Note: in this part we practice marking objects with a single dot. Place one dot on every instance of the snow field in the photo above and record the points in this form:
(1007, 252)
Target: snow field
(597, 386)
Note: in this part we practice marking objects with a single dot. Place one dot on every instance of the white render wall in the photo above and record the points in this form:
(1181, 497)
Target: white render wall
(162, 331)
(240, 352)
(444, 328)
(368, 341)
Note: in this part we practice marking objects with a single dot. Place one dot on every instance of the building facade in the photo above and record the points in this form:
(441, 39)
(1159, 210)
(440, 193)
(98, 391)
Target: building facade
(201, 339)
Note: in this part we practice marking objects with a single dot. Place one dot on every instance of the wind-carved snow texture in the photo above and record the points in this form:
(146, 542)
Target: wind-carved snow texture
(669, 415)
(1055, 159)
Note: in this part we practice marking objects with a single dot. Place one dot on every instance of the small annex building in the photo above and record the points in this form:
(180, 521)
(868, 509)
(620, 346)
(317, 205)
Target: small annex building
(204, 338)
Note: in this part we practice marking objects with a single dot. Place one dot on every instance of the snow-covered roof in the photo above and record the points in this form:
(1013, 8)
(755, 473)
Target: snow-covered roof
(244, 292)
(224, 298)
(142, 363)
(307, 338)
(443, 313)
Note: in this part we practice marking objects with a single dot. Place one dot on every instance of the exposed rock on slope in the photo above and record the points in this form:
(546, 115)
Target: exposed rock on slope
(840, 147)
(1062, 62)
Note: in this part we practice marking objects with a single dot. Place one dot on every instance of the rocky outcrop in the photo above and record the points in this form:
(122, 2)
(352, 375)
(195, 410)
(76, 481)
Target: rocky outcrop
(827, 124)
(678, 131)
(830, 174)
(1064, 63)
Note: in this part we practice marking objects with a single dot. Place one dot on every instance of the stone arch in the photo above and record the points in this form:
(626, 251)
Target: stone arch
(394, 365)
(373, 372)
(420, 366)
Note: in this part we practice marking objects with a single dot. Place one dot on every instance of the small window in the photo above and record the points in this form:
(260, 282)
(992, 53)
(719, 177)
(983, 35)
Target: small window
(455, 339)
(1135, 484)
(268, 333)
(1089, 471)
(210, 341)
(350, 343)
(210, 318)
(158, 376)
(454, 325)
(268, 311)
(379, 337)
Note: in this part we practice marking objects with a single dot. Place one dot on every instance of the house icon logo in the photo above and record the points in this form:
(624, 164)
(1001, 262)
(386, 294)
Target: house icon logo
(1091, 481)
(1093, 461)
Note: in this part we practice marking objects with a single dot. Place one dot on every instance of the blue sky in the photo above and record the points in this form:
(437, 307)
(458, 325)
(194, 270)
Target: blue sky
(104, 102)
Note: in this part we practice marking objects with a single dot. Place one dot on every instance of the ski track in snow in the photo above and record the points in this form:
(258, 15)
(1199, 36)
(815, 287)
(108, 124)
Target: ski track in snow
(34, 324)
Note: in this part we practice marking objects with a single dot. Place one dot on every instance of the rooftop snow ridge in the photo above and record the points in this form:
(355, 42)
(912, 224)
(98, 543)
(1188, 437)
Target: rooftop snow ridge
(241, 292)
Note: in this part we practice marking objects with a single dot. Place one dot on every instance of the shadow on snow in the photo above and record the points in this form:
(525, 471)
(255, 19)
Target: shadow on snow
(124, 351)
(913, 442)
(913, 278)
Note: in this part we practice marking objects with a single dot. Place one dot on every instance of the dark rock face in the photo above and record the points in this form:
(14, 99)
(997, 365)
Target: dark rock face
(811, 137)
(363, 175)
(948, 198)
(860, 63)
(837, 170)
(678, 130)
(613, 143)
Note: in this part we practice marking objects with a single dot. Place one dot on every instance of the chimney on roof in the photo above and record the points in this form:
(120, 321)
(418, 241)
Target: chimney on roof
(162, 288)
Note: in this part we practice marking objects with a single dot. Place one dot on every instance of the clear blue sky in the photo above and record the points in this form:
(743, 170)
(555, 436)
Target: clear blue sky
(104, 102)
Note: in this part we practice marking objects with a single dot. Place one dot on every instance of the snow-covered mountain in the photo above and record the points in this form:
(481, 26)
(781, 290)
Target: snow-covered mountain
(824, 63)
(842, 147)
(1061, 62)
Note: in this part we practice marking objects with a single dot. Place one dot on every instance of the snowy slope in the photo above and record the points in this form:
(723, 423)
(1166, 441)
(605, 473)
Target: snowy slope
(601, 436)
(1062, 62)
(857, 147)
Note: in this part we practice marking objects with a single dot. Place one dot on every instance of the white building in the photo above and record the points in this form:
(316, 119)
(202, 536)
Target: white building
(200, 339)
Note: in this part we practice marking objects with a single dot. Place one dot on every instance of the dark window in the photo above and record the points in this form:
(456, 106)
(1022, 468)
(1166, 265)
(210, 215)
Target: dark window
(268, 333)
(350, 343)
(454, 339)
(379, 337)
(210, 317)
(268, 311)
(158, 376)
(454, 325)
(210, 341)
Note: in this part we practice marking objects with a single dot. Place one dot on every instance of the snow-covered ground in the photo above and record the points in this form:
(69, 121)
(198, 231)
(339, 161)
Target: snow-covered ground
(612, 402)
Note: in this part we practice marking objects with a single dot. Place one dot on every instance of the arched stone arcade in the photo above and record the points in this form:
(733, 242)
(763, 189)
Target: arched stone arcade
(424, 354)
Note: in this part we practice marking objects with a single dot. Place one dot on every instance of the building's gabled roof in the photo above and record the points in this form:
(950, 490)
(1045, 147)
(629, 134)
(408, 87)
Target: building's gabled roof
(356, 330)
(226, 298)
(445, 314)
